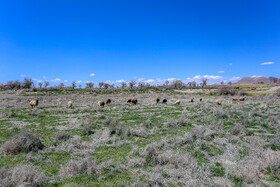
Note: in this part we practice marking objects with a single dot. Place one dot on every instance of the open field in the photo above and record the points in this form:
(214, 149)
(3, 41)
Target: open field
(192, 144)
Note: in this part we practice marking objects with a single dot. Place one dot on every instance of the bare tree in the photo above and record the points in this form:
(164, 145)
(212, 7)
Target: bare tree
(13, 84)
(89, 84)
(178, 84)
(74, 85)
(141, 84)
(166, 82)
(192, 84)
(27, 83)
(132, 83)
(124, 85)
(61, 85)
(204, 82)
(101, 84)
(46, 84)
(40, 84)
(106, 85)
(80, 86)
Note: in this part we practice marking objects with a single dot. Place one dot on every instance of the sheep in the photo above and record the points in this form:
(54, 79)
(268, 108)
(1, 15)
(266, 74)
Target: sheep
(34, 103)
(108, 101)
(200, 99)
(177, 102)
(164, 101)
(219, 101)
(134, 101)
(158, 100)
(242, 99)
(234, 98)
(70, 104)
(101, 103)
(192, 100)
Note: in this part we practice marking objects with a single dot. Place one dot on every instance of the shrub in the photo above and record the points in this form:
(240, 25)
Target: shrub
(147, 123)
(227, 90)
(88, 128)
(237, 129)
(140, 132)
(277, 93)
(274, 171)
(22, 142)
(78, 167)
(62, 136)
(22, 175)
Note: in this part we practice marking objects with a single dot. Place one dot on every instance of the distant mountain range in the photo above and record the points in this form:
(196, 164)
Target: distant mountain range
(250, 80)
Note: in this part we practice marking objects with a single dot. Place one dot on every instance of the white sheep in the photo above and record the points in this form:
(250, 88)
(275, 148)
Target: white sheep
(70, 104)
(177, 102)
(101, 103)
(34, 103)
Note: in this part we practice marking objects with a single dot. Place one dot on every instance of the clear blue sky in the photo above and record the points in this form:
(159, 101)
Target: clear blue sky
(132, 39)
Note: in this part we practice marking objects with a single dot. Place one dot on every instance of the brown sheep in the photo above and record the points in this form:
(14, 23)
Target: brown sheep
(158, 100)
(134, 101)
(129, 100)
(101, 103)
(219, 101)
(200, 99)
(34, 103)
(234, 98)
(70, 104)
(192, 100)
(108, 101)
(164, 101)
(242, 99)
(177, 102)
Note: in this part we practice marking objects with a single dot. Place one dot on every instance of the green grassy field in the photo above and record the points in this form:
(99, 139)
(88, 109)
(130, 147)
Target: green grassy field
(157, 144)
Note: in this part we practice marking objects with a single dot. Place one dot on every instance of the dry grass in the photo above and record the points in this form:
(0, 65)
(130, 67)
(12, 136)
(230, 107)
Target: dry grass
(22, 142)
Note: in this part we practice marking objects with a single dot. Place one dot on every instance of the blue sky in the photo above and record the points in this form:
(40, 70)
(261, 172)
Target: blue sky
(138, 40)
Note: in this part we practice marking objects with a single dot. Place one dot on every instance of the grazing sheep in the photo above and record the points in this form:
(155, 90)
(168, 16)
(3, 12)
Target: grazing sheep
(70, 104)
(242, 99)
(234, 98)
(158, 100)
(134, 101)
(129, 100)
(200, 99)
(108, 101)
(101, 103)
(34, 103)
(177, 102)
(164, 101)
(192, 100)
(219, 101)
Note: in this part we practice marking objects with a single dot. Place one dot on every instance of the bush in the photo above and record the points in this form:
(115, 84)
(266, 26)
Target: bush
(88, 128)
(74, 168)
(277, 93)
(62, 136)
(227, 90)
(22, 175)
(22, 142)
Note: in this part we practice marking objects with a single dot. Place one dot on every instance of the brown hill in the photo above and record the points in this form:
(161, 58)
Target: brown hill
(250, 80)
